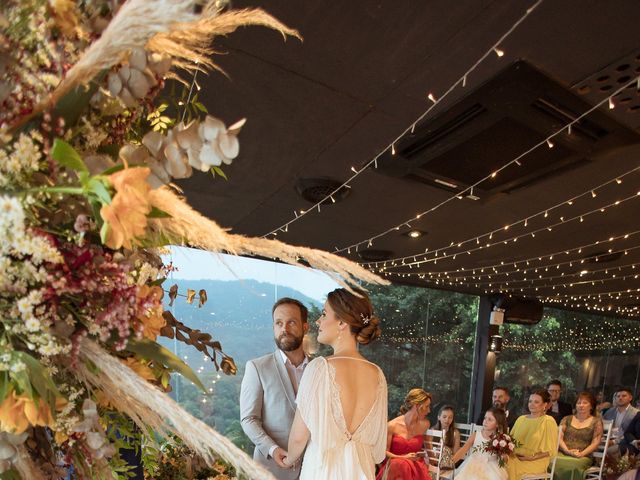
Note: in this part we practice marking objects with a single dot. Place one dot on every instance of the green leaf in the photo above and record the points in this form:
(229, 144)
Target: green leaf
(23, 383)
(156, 352)
(97, 187)
(114, 169)
(40, 379)
(157, 213)
(104, 230)
(217, 170)
(200, 107)
(4, 385)
(65, 155)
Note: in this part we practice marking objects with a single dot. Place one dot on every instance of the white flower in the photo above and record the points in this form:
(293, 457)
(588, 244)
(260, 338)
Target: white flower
(32, 324)
(495, 443)
(503, 443)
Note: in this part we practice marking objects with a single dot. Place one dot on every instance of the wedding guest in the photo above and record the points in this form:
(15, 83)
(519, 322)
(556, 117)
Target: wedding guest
(537, 433)
(630, 442)
(446, 423)
(481, 465)
(557, 408)
(621, 415)
(406, 438)
(580, 437)
(500, 398)
(341, 419)
(269, 386)
(601, 404)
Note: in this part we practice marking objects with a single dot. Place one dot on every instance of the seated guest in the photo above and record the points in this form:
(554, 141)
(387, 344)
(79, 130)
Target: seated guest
(537, 434)
(601, 405)
(631, 439)
(500, 399)
(580, 437)
(622, 413)
(446, 422)
(557, 408)
(406, 438)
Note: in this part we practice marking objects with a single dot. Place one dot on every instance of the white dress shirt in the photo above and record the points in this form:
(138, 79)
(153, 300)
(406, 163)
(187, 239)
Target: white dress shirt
(295, 375)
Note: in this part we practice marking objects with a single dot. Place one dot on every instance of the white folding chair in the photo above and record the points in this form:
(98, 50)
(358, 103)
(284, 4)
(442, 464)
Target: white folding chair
(434, 449)
(465, 430)
(546, 475)
(595, 472)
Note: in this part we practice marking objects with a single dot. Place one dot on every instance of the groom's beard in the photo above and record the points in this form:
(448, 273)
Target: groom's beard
(288, 343)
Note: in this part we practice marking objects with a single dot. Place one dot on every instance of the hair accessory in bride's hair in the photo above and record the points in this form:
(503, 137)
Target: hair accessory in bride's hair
(365, 320)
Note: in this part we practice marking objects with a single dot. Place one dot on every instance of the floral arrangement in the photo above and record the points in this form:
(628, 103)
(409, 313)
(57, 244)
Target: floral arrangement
(88, 150)
(501, 445)
(617, 465)
(173, 460)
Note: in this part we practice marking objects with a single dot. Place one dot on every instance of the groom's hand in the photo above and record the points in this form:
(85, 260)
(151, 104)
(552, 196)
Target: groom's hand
(278, 455)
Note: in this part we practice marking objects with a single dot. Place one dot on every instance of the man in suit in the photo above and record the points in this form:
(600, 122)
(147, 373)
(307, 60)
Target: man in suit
(557, 408)
(622, 413)
(269, 388)
(500, 399)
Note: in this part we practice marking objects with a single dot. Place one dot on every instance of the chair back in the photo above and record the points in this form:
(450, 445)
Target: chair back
(595, 471)
(555, 457)
(434, 447)
(465, 430)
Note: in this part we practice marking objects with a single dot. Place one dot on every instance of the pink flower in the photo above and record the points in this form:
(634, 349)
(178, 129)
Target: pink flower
(503, 443)
(495, 443)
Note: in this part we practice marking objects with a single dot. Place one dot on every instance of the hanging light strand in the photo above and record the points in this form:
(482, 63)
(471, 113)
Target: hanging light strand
(494, 173)
(435, 102)
(524, 221)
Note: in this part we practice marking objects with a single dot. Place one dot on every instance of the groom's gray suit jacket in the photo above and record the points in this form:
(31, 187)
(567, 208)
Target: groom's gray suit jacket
(267, 408)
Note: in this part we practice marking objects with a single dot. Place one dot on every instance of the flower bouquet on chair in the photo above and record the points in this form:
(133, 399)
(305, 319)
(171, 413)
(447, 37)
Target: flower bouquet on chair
(501, 445)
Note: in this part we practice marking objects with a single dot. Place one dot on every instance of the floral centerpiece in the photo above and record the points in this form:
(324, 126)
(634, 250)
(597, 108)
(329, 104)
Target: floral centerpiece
(501, 445)
(87, 154)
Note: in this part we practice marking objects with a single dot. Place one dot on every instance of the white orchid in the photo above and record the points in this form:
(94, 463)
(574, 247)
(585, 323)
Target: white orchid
(198, 144)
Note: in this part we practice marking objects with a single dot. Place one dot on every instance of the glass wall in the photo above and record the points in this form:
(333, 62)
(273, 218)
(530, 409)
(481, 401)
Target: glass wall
(427, 341)
(584, 352)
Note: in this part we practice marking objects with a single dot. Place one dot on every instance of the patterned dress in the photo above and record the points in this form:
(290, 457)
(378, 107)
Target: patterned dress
(571, 468)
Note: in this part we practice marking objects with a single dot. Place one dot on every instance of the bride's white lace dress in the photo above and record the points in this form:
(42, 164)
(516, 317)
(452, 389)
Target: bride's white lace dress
(333, 452)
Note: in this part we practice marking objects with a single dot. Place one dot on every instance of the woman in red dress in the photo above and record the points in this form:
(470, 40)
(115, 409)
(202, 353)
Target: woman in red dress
(405, 440)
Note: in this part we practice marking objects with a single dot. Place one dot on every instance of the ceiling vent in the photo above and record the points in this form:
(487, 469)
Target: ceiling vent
(315, 190)
(495, 124)
(606, 81)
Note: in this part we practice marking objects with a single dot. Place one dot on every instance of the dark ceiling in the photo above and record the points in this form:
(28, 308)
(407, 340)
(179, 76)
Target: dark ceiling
(361, 77)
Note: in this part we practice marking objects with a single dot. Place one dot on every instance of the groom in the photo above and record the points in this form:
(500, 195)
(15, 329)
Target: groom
(269, 388)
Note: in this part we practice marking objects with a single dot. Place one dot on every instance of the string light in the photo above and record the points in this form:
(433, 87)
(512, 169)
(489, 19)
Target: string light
(544, 213)
(435, 102)
(495, 172)
(498, 52)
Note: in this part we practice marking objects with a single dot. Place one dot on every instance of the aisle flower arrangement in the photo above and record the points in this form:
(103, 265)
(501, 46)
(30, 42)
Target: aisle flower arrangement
(87, 156)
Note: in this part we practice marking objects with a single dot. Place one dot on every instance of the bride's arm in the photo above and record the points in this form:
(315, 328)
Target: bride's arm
(298, 439)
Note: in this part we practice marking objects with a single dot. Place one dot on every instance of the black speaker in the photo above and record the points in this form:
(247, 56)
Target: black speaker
(525, 311)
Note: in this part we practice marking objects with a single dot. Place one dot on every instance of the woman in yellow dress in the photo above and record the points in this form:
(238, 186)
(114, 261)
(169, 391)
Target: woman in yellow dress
(538, 437)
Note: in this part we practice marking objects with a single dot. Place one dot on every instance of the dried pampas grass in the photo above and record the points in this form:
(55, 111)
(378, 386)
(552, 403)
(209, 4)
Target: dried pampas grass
(26, 466)
(134, 24)
(150, 407)
(199, 231)
(190, 44)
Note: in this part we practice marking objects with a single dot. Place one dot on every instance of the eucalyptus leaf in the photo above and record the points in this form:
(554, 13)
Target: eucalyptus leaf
(65, 155)
(157, 353)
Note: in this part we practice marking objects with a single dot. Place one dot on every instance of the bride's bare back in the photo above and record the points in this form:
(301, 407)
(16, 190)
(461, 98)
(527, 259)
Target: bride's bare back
(357, 381)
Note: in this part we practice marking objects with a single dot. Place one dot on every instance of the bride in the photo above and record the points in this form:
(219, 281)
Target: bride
(341, 417)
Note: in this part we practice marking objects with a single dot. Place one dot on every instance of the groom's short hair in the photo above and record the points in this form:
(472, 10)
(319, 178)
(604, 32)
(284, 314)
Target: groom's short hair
(304, 311)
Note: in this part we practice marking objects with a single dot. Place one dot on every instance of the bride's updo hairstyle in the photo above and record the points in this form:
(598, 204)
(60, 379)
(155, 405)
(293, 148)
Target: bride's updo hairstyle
(357, 312)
